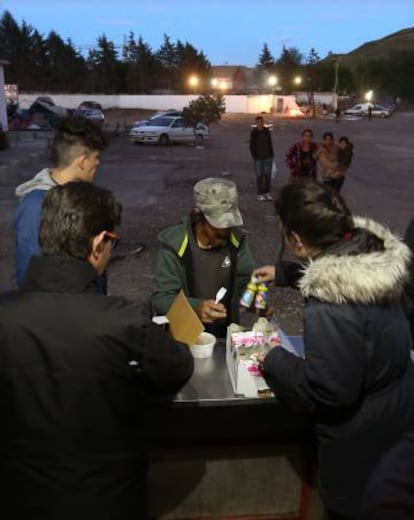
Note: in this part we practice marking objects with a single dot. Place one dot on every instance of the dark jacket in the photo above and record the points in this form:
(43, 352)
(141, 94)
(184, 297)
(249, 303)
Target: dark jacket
(390, 491)
(357, 379)
(261, 146)
(408, 298)
(173, 269)
(78, 372)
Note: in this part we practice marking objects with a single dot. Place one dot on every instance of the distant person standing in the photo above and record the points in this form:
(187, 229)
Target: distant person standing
(327, 157)
(300, 158)
(337, 116)
(261, 149)
(369, 113)
(345, 153)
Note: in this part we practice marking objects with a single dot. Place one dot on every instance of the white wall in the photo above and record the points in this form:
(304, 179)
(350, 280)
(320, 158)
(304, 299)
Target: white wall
(319, 97)
(235, 104)
(3, 108)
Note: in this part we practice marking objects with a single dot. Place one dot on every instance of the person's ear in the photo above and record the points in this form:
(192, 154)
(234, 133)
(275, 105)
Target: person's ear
(297, 245)
(296, 238)
(80, 161)
(97, 257)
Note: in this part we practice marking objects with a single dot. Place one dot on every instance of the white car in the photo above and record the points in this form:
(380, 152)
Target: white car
(166, 130)
(168, 113)
(362, 110)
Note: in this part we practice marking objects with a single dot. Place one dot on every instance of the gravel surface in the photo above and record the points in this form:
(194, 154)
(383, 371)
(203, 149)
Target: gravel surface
(155, 186)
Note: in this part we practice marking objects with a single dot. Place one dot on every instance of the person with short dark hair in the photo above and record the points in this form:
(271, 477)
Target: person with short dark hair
(356, 379)
(327, 157)
(79, 371)
(204, 252)
(300, 158)
(261, 149)
(344, 157)
(75, 156)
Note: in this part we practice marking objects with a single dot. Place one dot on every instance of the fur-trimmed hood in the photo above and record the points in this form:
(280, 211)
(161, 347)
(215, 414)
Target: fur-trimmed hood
(367, 278)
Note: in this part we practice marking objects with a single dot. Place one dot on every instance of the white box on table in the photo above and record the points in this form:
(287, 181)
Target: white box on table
(244, 383)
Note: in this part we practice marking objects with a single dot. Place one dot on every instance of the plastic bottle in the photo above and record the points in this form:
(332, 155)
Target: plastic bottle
(262, 297)
(248, 296)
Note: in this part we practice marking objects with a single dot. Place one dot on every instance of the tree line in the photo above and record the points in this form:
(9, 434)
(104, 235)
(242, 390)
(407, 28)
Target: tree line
(50, 64)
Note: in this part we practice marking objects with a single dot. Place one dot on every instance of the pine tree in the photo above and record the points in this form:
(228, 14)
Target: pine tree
(266, 59)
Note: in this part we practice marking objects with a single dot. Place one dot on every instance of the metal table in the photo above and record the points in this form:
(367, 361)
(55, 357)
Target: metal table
(210, 446)
(210, 384)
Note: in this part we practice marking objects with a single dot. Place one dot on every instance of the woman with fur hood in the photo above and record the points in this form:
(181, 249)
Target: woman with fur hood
(356, 379)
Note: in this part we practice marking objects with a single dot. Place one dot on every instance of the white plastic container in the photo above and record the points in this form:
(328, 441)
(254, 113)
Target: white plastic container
(204, 347)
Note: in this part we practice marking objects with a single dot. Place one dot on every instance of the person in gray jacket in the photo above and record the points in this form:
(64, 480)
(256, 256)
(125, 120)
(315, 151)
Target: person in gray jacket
(75, 156)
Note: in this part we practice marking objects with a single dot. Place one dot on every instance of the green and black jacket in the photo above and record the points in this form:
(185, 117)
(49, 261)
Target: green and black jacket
(173, 270)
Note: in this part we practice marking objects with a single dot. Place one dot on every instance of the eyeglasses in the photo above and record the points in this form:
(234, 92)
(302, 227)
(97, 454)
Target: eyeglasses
(113, 237)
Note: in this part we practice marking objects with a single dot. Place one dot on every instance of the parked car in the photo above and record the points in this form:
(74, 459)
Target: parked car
(166, 130)
(91, 113)
(90, 104)
(165, 113)
(362, 110)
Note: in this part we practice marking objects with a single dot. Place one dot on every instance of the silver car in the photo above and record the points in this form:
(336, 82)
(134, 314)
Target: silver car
(166, 130)
(362, 110)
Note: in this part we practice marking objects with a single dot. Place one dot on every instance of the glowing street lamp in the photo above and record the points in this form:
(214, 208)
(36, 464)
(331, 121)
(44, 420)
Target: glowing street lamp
(369, 95)
(193, 81)
(297, 80)
(272, 80)
(214, 82)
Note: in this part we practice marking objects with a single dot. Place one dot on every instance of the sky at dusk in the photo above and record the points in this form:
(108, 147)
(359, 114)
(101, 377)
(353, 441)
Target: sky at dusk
(227, 31)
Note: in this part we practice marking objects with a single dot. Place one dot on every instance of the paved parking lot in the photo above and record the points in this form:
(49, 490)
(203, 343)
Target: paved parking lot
(155, 186)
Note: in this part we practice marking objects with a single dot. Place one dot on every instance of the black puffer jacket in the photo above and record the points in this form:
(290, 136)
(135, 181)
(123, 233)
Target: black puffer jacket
(77, 374)
(357, 379)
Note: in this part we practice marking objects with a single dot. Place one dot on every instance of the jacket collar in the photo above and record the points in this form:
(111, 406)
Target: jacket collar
(60, 274)
(352, 274)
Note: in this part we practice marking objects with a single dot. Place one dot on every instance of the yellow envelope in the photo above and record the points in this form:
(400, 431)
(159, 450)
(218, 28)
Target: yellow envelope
(185, 325)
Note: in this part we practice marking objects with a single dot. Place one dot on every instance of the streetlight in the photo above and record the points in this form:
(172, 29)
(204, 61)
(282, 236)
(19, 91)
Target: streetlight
(369, 95)
(193, 81)
(297, 80)
(214, 82)
(272, 81)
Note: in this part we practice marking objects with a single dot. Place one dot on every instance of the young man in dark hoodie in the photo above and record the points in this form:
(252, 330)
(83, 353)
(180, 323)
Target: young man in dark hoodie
(261, 149)
(75, 157)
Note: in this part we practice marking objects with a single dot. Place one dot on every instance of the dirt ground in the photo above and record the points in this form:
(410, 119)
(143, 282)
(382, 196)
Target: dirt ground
(380, 184)
(155, 184)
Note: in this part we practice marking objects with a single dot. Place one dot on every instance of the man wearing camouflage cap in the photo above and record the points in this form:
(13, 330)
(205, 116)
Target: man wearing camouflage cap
(206, 251)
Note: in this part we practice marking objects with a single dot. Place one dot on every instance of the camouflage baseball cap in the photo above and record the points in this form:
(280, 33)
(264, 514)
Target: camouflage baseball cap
(217, 199)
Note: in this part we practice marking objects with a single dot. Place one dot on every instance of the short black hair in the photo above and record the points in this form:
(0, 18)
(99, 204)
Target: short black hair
(314, 211)
(73, 214)
(75, 136)
(343, 138)
(328, 134)
(307, 130)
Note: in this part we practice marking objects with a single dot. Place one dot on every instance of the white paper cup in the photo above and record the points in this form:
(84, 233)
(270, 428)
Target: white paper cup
(204, 346)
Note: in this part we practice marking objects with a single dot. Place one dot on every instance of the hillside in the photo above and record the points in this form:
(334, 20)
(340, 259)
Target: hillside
(401, 40)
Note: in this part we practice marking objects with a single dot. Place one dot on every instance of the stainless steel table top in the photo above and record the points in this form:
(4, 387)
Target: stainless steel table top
(210, 384)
